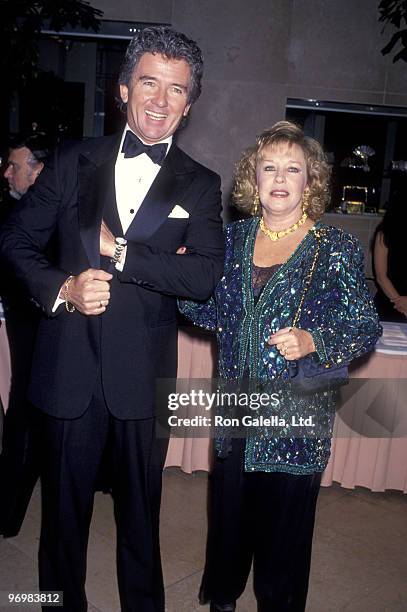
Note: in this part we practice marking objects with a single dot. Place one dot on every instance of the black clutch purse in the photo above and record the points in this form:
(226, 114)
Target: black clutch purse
(308, 377)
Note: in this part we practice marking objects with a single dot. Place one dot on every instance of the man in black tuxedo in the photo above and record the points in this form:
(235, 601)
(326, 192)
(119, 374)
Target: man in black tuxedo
(121, 207)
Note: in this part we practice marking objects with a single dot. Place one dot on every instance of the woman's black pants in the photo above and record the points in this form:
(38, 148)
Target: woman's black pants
(264, 518)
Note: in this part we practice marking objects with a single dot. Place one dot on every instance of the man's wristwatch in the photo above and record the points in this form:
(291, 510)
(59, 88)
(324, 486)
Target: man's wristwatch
(120, 243)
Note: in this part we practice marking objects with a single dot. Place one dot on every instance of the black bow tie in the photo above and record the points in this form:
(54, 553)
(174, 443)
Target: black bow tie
(132, 146)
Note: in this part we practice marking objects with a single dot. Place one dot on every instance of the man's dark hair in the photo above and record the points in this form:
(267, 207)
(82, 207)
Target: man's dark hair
(171, 44)
(37, 143)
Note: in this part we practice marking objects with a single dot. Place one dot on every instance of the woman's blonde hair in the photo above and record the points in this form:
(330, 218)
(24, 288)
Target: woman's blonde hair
(318, 170)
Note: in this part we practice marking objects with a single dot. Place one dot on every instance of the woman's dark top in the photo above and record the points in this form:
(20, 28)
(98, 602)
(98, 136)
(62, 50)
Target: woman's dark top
(397, 273)
(260, 278)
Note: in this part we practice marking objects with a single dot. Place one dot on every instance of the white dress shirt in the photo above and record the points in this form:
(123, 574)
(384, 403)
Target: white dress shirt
(133, 178)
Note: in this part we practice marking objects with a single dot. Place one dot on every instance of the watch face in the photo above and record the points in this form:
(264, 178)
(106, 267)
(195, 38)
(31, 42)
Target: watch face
(121, 241)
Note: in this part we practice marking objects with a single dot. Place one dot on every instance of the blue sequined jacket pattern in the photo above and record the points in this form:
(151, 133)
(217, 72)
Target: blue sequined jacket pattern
(337, 310)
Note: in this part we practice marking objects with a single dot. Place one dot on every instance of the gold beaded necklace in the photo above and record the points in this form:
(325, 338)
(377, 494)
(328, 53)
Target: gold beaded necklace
(277, 235)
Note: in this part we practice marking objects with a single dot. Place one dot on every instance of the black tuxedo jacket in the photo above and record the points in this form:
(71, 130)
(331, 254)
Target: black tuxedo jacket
(134, 342)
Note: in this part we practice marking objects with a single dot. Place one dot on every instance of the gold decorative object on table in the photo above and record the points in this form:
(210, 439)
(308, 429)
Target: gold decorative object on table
(354, 199)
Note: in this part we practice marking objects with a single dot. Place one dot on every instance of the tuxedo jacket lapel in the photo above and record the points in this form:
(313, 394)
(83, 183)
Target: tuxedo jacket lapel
(109, 204)
(95, 183)
(164, 193)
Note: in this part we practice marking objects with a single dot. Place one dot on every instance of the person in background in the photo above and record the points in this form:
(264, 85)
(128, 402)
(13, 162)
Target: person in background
(389, 257)
(25, 162)
(19, 461)
(293, 293)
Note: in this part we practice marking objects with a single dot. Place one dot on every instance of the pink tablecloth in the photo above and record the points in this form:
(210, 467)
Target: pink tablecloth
(196, 359)
(4, 375)
(375, 463)
(4, 366)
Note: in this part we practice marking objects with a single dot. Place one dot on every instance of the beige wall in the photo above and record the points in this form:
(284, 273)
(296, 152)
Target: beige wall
(156, 11)
(259, 53)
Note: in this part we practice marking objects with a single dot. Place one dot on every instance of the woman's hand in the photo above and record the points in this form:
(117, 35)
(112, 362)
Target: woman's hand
(293, 343)
(400, 304)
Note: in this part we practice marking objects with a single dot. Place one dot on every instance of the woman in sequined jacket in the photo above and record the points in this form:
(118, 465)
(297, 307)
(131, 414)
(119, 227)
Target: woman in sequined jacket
(293, 289)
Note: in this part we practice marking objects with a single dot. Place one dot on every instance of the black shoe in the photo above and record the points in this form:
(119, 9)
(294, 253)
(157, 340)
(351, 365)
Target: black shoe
(229, 607)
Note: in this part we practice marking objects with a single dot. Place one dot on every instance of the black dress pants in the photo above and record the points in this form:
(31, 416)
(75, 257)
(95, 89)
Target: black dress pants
(74, 451)
(264, 518)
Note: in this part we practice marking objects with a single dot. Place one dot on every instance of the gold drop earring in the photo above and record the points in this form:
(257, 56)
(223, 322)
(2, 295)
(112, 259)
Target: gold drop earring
(305, 199)
(256, 204)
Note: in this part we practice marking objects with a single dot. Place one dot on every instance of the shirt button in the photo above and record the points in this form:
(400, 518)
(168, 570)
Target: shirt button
(132, 211)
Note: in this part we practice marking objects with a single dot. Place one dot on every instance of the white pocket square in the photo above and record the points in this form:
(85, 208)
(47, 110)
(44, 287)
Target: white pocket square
(178, 213)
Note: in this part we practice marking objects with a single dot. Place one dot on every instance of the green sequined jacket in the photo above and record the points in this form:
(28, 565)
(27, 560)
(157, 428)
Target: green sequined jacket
(338, 312)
